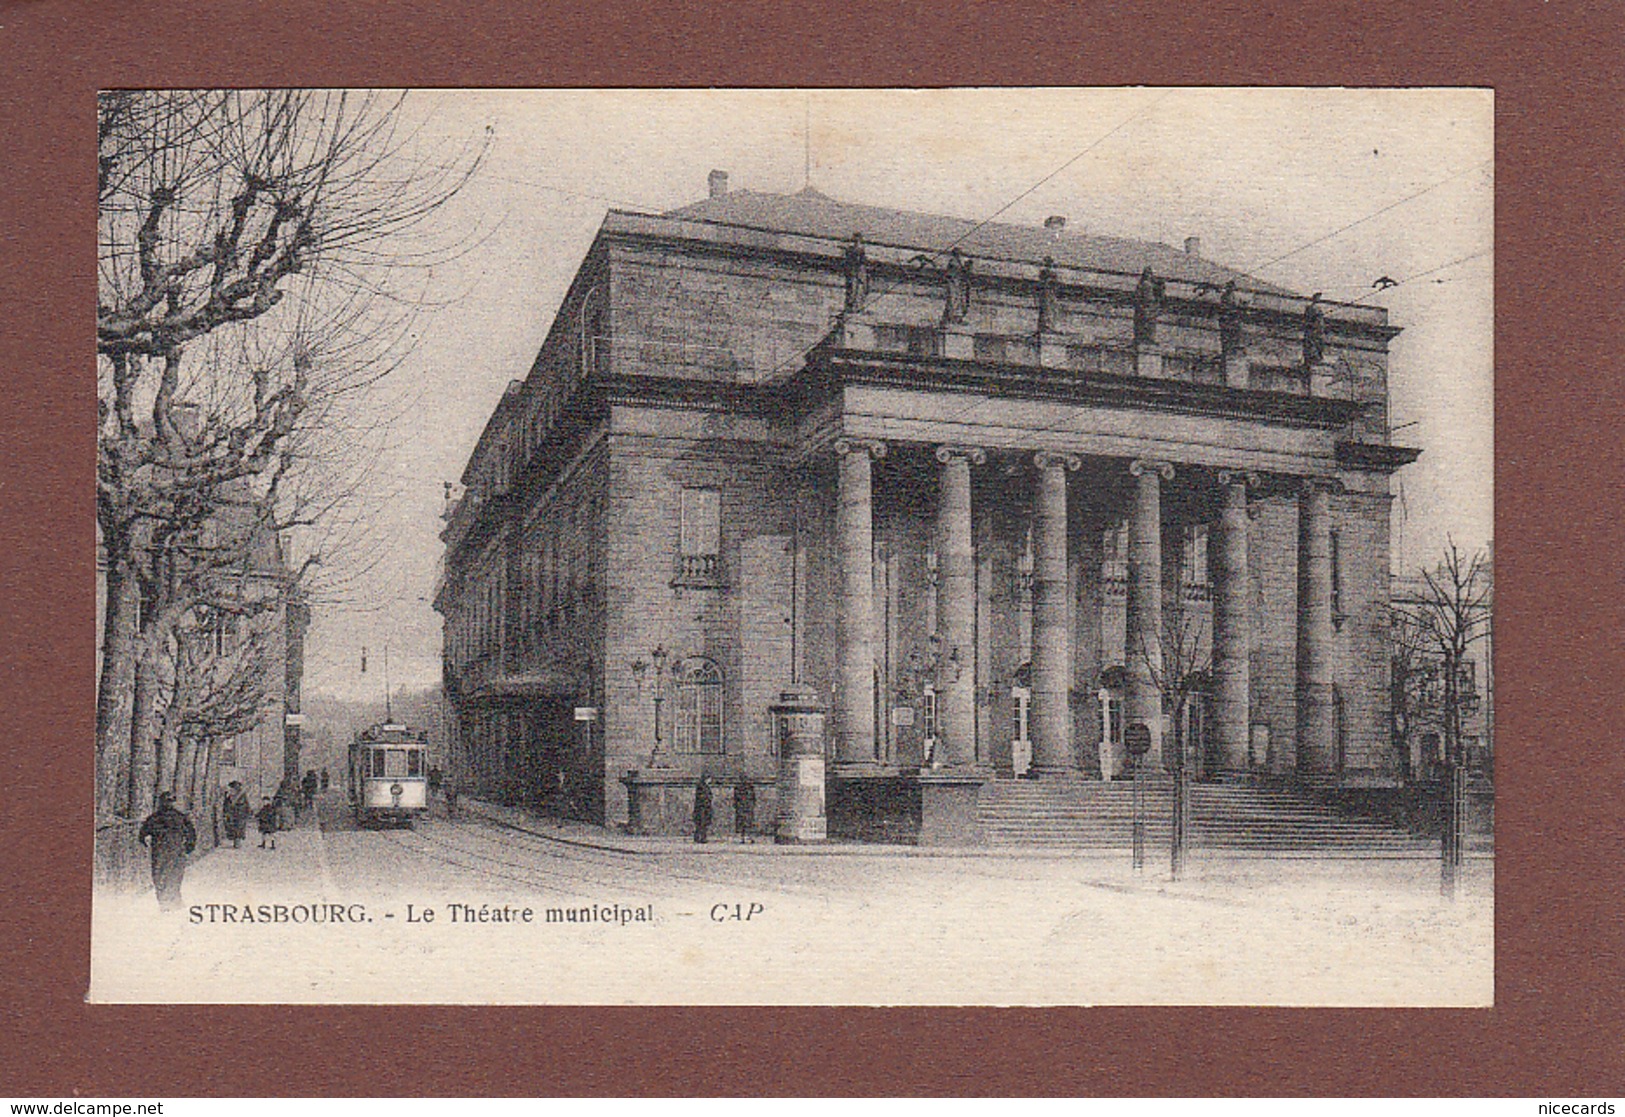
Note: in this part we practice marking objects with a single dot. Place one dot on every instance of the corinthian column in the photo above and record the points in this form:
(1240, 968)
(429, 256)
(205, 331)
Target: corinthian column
(956, 608)
(1051, 715)
(854, 541)
(1142, 645)
(1317, 745)
(1232, 625)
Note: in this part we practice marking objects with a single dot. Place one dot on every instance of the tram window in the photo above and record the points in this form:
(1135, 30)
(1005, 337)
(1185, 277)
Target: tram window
(414, 762)
(378, 762)
(394, 763)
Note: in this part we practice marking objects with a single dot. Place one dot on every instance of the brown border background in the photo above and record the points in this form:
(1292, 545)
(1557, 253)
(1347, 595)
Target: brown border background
(1558, 1028)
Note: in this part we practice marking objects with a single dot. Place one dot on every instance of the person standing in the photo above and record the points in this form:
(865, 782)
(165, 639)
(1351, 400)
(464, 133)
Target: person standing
(286, 800)
(702, 809)
(169, 835)
(745, 809)
(449, 789)
(309, 786)
(268, 819)
(234, 812)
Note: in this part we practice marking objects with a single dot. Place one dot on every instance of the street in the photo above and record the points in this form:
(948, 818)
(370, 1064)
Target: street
(498, 908)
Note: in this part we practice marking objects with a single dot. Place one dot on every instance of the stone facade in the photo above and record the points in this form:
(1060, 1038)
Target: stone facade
(781, 441)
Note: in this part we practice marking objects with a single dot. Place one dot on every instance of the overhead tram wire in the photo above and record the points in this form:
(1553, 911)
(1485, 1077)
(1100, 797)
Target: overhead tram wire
(1321, 240)
(1424, 274)
(1372, 215)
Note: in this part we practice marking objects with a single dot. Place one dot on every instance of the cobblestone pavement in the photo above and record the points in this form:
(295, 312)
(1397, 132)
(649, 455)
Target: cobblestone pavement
(436, 913)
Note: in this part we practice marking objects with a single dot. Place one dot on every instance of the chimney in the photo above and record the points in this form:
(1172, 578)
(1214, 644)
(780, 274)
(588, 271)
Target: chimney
(1055, 223)
(719, 183)
(1193, 246)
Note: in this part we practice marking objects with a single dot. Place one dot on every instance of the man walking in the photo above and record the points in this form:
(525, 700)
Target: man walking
(702, 809)
(169, 835)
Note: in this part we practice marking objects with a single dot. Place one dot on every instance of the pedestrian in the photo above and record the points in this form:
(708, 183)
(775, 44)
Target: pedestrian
(745, 809)
(268, 820)
(702, 809)
(324, 779)
(169, 835)
(436, 778)
(450, 786)
(234, 812)
(311, 783)
(285, 800)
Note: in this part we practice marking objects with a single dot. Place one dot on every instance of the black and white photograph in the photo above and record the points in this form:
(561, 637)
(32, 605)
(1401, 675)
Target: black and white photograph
(967, 546)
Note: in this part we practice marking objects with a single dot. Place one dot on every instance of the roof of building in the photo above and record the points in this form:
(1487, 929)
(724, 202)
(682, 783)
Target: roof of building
(810, 213)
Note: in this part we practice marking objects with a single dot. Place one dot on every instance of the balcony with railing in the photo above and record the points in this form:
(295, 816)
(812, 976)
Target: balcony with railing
(698, 571)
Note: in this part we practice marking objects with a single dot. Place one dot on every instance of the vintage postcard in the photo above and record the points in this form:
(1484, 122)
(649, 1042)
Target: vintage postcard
(826, 547)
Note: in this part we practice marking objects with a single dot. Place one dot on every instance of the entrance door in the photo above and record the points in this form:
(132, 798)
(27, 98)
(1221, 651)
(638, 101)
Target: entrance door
(1021, 745)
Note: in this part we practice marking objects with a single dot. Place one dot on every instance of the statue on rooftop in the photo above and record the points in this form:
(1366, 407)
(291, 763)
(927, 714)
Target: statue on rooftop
(1049, 297)
(857, 275)
(1314, 332)
(1230, 321)
(1148, 295)
(956, 308)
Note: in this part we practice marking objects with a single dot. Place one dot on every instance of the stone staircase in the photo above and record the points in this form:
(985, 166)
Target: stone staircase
(1084, 814)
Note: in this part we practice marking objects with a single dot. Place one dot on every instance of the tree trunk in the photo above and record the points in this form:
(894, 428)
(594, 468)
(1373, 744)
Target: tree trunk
(115, 694)
(168, 748)
(186, 773)
(209, 791)
(144, 741)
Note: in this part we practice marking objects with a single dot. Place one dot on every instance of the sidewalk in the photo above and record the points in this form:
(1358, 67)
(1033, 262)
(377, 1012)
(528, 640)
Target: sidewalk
(588, 836)
(299, 861)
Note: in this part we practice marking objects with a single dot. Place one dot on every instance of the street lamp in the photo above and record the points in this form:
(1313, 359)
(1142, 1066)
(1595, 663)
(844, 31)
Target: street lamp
(659, 657)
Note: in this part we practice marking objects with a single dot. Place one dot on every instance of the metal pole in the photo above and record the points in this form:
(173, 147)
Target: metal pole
(1139, 818)
(1453, 842)
(1181, 809)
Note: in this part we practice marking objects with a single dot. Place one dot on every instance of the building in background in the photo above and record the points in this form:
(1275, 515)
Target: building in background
(991, 492)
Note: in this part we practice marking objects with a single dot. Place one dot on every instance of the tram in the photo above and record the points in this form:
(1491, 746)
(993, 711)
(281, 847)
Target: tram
(389, 775)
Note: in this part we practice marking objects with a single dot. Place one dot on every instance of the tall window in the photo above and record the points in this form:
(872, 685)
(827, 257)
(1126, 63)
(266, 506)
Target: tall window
(698, 728)
(928, 722)
(1193, 559)
(701, 532)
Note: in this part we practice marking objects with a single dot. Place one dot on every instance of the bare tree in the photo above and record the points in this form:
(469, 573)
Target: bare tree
(1412, 671)
(252, 247)
(1178, 666)
(1441, 623)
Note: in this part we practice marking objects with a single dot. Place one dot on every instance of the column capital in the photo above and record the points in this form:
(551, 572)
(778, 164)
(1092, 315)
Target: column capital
(1244, 477)
(1054, 459)
(1308, 485)
(974, 454)
(1142, 465)
(875, 448)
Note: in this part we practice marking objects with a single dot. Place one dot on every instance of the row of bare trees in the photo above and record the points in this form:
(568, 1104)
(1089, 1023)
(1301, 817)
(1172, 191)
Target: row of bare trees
(255, 250)
(1436, 628)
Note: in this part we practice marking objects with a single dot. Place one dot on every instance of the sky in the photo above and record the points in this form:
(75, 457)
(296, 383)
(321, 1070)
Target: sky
(1314, 190)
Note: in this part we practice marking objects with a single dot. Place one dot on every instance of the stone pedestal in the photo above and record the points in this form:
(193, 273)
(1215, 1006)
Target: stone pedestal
(653, 799)
(958, 342)
(948, 809)
(1321, 382)
(1052, 350)
(1237, 372)
(855, 331)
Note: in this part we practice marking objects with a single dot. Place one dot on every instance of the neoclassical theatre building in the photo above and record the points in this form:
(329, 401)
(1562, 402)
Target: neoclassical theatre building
(986, 494)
